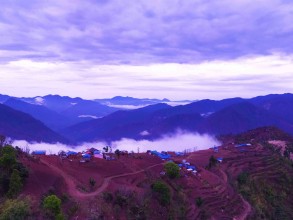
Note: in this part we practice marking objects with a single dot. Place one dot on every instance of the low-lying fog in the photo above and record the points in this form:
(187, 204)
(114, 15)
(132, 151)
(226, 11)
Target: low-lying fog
(179, 142)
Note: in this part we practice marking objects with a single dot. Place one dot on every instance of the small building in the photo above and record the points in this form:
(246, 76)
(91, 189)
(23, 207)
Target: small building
(39, 152)
(243, 145)
(179, 154)
(86, 157)
(70, 153)
(220, 159)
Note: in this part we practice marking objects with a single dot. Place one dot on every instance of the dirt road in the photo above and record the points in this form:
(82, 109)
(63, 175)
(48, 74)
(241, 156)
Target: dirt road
(71, 183)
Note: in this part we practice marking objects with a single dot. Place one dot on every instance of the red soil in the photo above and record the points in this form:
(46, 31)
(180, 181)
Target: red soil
(221, 201)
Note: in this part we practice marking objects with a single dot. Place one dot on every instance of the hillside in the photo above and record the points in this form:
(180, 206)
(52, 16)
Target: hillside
(251, 182)
(241, 117)
(21, 126)
(228, 119)
(49, 117)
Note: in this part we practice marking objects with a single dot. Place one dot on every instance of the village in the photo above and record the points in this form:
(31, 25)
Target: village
(204, 185)
(181, 158)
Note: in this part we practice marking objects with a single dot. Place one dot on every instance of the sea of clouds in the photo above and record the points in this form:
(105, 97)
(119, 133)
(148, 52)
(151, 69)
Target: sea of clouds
(177, 142)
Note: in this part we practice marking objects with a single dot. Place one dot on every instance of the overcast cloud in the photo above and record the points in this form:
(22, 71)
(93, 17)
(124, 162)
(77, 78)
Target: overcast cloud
(200, 49)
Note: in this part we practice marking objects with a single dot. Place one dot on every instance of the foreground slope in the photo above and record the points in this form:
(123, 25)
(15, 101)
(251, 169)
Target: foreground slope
(252, 182)
(21, 126)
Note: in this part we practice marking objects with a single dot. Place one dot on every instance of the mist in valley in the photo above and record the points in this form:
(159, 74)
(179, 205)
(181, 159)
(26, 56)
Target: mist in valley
(181, 141)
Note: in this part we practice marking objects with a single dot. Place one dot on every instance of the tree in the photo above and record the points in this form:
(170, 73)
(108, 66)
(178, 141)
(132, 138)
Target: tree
(172, 170)
(92, 182)
(7, 157)
(2, 140)
(199, 201)
(52, 204)
(15, 184)
(15, 209)
(117, 152)
(162, 191)
(212, 162)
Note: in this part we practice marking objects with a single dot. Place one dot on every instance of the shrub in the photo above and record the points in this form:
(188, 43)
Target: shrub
(60, 216)
(52, 204)
(7, 158)
(212, 162)
(92, 182)
(199, 201)
(242, 178)
(108, 197)
(162, 191)
(15, 184)
(15, 209)
(172, 170)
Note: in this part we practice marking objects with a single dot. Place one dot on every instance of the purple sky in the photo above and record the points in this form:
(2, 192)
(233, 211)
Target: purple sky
(175, 49)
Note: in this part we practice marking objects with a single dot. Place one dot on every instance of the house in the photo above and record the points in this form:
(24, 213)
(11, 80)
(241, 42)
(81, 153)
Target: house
(243, 145)
(179, 154)
(39, 152)
(86, 157)
(69, 153)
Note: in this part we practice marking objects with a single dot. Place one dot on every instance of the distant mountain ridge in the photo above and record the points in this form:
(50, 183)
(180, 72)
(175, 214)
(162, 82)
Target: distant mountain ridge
(229, 116)
(21, 126)
(215, 117)
(120, 100)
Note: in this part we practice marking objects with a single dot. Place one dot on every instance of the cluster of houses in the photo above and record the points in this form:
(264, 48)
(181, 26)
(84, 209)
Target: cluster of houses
(188, 166)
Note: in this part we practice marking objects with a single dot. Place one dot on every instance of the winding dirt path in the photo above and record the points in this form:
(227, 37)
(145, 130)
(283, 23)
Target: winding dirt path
(246, 211)
(70, 182)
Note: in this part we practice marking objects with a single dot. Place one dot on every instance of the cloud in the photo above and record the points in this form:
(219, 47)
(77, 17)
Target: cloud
(145, 31)
(178, 142)
(245, 77)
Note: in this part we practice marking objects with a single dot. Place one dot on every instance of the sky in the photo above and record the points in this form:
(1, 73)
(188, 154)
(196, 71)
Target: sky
(175, 49)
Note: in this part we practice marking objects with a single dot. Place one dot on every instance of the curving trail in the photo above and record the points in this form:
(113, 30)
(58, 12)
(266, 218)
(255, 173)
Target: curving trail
(246, 211)
(69, 180)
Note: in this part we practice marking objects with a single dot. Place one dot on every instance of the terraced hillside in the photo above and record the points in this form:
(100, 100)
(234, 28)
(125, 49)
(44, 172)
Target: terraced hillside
(253, 181)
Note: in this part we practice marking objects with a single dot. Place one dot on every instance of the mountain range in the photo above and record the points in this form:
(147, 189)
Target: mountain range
(79, 120)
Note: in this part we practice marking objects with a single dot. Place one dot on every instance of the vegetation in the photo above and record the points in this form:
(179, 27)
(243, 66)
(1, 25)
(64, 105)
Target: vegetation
(162, 191)
(172, 170)
(270, 197)
(8, 158)
(92, 182)
(118, 153)
(12, 172)
(52, 204)
(15, 184)
(15, 209)
(108, 197)
(242, 178)
(212, 161)
(199, 201)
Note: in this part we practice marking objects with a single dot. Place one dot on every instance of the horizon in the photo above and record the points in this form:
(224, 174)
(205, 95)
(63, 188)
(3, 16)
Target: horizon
(172, 49)
(171, 100)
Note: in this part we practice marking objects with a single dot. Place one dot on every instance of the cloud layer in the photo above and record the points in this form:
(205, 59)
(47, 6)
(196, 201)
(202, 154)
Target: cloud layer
(178, 142)
(244, 77)
(144, 31)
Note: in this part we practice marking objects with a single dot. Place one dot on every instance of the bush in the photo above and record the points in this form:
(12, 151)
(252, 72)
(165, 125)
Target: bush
(212, 162)
(172, 170)
(7, 158)
(15, 184)
(15, 209)
(242, 178)
(92, 182)
(199, 201)
(52, 204)
(162, 191)
(108, 197)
